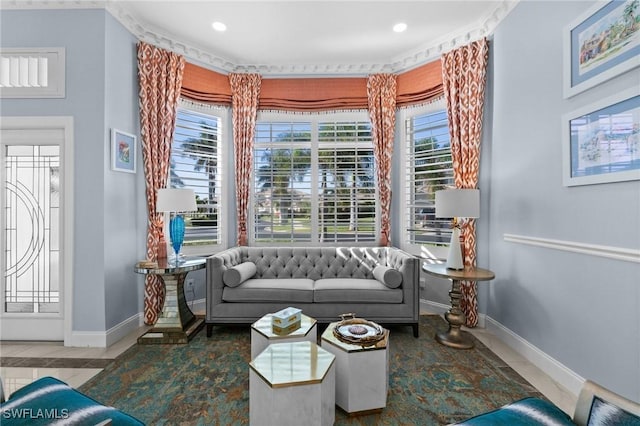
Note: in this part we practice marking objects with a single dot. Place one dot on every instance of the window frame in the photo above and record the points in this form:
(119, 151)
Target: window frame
(427, 251)
(224, 140)
(314, 119)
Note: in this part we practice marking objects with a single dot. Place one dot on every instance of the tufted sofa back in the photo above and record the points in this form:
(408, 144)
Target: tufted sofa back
(314, 262)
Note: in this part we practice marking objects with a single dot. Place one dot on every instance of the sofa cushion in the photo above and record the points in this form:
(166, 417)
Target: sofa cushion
(354, 290)
(271, 290)
(238, 274)
(390, 277)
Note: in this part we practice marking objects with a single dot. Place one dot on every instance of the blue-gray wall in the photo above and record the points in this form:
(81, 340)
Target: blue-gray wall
(124, 193)
(101, 93)
(582, 310)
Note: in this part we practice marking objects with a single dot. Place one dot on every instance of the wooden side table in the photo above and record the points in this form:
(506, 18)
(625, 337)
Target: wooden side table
(454, 336)
(176, 323)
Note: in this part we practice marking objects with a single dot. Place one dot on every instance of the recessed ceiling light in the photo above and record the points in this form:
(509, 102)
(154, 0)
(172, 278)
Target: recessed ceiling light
(400, 27)
(219, 26)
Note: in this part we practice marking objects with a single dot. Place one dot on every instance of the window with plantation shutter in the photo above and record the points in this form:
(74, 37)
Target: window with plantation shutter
(429, 169)
(195, 164)
(347, 203)
(314, 180)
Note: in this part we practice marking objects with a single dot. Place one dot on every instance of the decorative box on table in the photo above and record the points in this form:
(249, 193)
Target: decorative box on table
(285, 321)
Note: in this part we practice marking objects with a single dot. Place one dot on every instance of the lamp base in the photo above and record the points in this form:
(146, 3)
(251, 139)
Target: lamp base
(454, 258)
(176, 231)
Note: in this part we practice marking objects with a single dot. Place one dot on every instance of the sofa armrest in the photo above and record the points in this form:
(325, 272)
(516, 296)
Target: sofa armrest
(409, 267)
(217, 264)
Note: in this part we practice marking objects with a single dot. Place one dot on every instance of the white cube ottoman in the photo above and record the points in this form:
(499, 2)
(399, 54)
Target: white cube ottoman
(262, 334)
(292, 384)
(362, 373)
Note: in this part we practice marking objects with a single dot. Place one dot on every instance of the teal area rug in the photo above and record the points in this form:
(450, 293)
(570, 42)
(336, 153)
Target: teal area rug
(206, 382)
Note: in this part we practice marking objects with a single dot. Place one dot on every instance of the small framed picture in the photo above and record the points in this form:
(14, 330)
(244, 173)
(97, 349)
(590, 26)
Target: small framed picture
(601, 141)
(602, 43)
(123, 151)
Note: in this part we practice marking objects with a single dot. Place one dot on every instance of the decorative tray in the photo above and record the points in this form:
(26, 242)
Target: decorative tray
(358, 331)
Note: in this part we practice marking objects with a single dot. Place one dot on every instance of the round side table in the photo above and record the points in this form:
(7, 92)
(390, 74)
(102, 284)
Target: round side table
(455, 337)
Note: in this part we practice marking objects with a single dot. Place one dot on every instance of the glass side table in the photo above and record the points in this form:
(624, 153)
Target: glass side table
(176, 323)
(455, 337)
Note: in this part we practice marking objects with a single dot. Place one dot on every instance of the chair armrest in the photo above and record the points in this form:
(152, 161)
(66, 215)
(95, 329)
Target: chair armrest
(591, 390)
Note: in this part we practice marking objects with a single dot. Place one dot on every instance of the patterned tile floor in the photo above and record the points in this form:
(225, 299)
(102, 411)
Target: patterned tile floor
(23, 362)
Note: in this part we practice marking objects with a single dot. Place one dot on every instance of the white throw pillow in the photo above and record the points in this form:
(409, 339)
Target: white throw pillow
(390, 277)
(238, 274)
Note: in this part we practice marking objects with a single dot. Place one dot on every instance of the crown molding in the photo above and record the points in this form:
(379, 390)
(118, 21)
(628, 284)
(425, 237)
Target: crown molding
(406, 61)
(51, 4)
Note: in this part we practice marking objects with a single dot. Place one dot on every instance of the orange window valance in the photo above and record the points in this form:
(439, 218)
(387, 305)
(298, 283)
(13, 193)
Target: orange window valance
(415, 86)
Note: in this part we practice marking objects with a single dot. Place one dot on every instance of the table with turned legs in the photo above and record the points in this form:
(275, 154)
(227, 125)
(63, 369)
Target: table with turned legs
(455, 337)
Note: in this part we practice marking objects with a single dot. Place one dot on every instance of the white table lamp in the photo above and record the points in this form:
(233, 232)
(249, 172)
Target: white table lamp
(176, 201)
(457, 203)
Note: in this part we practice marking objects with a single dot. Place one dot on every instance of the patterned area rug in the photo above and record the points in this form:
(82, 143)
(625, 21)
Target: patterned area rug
(207, 381)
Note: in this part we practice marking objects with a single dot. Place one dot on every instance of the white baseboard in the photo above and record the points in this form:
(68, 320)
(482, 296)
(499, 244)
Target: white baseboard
(104, 339)
(550, 366)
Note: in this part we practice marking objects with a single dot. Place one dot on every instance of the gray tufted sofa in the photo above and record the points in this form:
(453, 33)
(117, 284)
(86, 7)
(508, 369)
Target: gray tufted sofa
(324, 282)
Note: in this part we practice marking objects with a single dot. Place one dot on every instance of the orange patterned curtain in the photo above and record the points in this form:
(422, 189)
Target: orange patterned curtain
(381, 93)
(464, 74)
(160, 77)
(245, 92)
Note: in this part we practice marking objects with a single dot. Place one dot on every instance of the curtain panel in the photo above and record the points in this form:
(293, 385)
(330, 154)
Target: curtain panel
(464, 75)
(160, 76)
(381, 92)
(245, 93)
(414, 87)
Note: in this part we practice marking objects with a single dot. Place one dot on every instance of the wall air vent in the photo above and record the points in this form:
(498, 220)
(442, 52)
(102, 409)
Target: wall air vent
(32, 72)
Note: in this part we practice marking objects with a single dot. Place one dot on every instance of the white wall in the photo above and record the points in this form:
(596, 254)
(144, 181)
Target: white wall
(581, 310)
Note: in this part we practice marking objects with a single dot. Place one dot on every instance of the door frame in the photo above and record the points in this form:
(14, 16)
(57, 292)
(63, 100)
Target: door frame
(64, 123)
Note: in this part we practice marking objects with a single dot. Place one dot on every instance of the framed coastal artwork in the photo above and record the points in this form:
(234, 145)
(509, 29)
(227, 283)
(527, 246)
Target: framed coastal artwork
(601, 44)
(601, 141)
(123, 151)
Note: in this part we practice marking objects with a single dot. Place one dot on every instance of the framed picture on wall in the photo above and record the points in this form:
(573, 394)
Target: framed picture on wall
(601, 141)
(123, 151)
(601, 44)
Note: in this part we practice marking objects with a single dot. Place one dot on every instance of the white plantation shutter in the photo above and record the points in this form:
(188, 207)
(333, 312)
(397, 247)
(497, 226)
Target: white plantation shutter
(314, 181)
(195, 164)
(429, 169)
(347, 193)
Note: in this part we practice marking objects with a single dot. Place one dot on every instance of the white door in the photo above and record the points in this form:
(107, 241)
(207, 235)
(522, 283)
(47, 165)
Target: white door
(36, 274)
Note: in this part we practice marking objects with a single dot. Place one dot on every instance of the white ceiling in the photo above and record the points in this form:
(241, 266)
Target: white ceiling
(304, 36)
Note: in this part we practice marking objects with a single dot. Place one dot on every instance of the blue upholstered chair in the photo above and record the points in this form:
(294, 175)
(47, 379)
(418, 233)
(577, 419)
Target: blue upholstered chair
(596, 406)
(49, 401)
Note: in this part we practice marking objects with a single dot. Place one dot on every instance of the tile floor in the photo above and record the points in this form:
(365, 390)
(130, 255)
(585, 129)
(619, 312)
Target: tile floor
(14, 377)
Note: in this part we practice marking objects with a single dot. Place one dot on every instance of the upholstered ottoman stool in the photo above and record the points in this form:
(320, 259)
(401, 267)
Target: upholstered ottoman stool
(262, 334)
(362, 372)
(292, 384)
